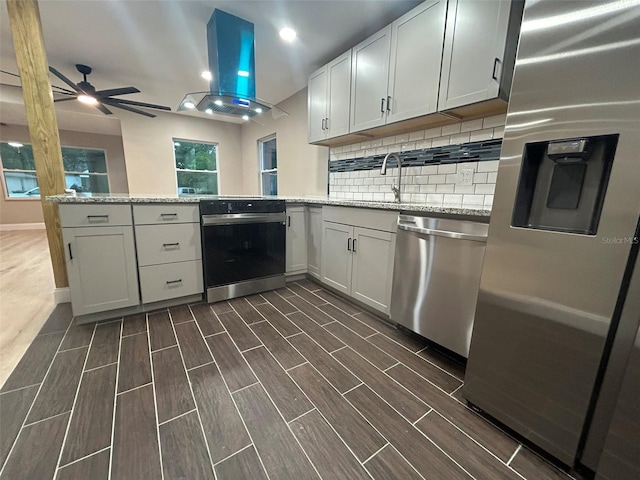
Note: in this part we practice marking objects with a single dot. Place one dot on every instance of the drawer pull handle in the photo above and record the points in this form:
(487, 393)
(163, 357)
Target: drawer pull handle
(173, 282)
(93, 217)
(70, 252)
(176, 244)
(172, 215)
(355, 242)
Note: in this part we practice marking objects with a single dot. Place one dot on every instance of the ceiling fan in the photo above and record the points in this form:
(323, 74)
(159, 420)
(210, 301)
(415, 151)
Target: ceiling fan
(86, 93)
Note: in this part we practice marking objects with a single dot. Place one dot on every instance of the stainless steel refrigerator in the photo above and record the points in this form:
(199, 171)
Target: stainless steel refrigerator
(552, 351)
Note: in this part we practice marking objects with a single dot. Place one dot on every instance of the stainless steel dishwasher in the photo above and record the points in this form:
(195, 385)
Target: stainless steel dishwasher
(436, 277)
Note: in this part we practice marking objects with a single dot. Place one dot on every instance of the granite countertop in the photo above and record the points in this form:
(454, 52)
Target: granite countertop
(480, 211)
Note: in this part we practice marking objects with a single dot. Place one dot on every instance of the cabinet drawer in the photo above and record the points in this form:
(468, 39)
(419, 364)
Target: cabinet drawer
(94, 215)
(158, 244)
(166, 213)
(171, 280)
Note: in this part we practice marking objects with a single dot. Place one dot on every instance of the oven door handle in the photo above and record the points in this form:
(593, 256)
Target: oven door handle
(238, 218)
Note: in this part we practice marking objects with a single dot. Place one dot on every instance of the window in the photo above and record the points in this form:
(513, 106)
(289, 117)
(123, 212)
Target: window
(85, 170)
(268, 165)
(196, 167)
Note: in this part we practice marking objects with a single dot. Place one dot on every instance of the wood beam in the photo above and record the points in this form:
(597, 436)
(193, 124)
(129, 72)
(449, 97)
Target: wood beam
(28, 43)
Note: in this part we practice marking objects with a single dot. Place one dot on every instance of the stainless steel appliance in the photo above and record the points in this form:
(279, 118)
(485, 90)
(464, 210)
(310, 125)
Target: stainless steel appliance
(243, 246)
(550, 342)
(436, 276)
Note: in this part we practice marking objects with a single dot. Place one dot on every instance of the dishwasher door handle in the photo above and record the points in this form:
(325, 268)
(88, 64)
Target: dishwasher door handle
(442, 233)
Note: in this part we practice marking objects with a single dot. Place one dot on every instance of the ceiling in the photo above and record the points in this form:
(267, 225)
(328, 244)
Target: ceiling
(160, 47)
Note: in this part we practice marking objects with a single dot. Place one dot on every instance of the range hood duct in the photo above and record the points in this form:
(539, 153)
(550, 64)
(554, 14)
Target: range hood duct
(232, 89)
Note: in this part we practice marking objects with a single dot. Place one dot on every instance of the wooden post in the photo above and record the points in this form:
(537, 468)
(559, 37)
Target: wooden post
(28, 43)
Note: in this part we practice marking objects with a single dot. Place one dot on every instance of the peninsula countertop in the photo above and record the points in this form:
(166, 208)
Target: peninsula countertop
(454, 210)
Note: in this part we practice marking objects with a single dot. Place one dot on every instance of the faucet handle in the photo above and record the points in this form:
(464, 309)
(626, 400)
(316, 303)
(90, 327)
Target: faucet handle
(396, 192)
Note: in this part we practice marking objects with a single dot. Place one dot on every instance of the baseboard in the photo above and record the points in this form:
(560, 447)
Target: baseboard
(61, 295)
(21, 226)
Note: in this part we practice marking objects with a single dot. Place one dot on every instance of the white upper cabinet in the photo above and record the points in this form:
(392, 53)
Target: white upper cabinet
(317, 104)
(369, 79)
(474, 50)
(416, 53)
(328, 99)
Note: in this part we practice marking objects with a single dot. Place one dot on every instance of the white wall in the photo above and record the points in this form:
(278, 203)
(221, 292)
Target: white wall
(148, 148)
(302, 168)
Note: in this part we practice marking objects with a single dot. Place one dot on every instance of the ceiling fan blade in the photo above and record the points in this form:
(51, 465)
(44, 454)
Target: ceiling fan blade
(117, 91)
(103, 109)
(142, 104)
(65, 80)
(65, 99)
(62, 90)
(130, 109)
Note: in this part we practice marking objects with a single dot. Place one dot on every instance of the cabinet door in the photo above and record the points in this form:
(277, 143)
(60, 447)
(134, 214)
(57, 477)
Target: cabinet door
(314, 241)
(416, 55)
(339, 94)
(475, 38)
(336, 255)
(101, 265)
(373, 267)
(296, 257)
(369, 77)
(317, 104)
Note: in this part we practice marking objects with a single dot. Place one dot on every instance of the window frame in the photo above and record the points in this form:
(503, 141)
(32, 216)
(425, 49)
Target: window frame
(39, 197)
(262, 171)
(176, 169)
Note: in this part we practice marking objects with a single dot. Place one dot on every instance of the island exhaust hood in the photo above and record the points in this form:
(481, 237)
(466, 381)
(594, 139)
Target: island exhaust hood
(232, 88)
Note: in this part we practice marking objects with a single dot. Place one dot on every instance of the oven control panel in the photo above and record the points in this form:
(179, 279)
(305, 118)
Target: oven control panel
(213, 207)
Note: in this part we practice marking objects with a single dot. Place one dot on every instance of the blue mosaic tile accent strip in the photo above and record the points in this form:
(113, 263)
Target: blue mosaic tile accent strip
(466, 152)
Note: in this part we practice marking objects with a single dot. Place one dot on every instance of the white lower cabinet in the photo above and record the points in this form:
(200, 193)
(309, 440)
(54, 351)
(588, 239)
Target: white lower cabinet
(314, 241)
(358, 262)
(296, 243)
(101, 266)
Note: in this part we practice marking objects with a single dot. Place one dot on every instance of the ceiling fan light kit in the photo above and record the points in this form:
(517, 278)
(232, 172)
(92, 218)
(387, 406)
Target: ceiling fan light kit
(87, 94)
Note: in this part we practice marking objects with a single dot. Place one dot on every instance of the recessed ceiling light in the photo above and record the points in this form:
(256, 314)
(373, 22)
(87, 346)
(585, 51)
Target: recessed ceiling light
(245, 117)
(243, 73)
(189, 105)
(218, 102)
(209, 111)
(15, 144)
(288, 34)
(258, 110)
(87, 99)
(206, 75)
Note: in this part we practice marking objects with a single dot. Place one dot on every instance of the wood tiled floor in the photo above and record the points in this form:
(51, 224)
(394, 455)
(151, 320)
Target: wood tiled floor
(292, 384)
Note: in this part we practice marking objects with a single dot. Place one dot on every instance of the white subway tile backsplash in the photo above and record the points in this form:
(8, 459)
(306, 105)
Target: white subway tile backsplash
(435, 198)
(378, 197)
(447, 168)
(379, 181)
(422, 144)
(375, 173)
(402, 138)
(367, 197)
(488, 200)
(388, 141)
(411, 171)
(498, 132)
(408, 146)
(471, 125)
(419, 135)
(433, 132)
(472, 199)
(480, 178)
(395, 148)
(466, 165)
(451, 129)
(452, 199)
(376, 143)
(364, 145)
(488, 166)
(348, 195)
(485, 188)
(358, 196)
(368, 181)
(389, 197)
(492, 177)
(494, 121)
(382, 150)
(411, 188)
(452, 178)
(435, 179)
(481, 135)
(440, 141)
(355, 147)
(428, 188)
(443, 188)
(429, 169)
(369, 152)
(337, 149)
(464, 189)
(358, 181)
(418, 198)
(333, 156)
(459, 138)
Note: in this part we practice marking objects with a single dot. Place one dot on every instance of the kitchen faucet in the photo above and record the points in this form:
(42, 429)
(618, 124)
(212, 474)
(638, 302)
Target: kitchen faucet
(383, 171)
